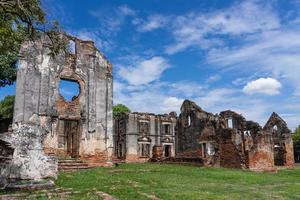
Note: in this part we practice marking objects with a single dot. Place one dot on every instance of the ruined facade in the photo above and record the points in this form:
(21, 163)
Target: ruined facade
(141, 136)
(46, 126)
(282, 140)
(229, 140)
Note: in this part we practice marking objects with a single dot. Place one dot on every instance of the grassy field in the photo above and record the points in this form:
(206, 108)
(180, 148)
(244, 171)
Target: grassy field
(150, 181)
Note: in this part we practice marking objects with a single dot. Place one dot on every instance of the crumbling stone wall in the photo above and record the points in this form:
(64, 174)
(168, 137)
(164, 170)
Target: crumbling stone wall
(194, 125)
(204, 135)
(27, 160)
(6, 154)
(261, 153)
(38, 93)
(46, 125)
(232, 140)
(282, 140)
(231, 154)
(228, 140)
(136, 134)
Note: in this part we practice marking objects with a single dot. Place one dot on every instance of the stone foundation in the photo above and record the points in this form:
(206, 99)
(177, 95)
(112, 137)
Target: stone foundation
(28, 162)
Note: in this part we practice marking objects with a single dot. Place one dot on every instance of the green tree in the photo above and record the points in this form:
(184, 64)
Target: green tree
(119, 109)
(296, 141)
(7, 107)
(22, 20)
(296, 134)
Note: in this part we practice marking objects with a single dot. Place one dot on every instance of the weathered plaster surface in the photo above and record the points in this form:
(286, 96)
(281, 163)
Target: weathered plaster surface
(44, 121)
(129, 137)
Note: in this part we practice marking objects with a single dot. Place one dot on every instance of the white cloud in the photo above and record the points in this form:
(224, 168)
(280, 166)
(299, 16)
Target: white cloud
(188, 89)
(172, 104)
(268, 86)
(125, 10)
(213, 78)
(271, 52)
(153, 22)
(199, 30)
(246, 17)
(145, 71)
(249, 37)
(146, 98)
(111, 20)
(218, 99)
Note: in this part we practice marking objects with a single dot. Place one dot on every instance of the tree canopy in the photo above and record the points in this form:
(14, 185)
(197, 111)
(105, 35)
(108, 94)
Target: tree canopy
(7, 107)
(296, 140)
(22, 20)
(119, 109)
(296, 135)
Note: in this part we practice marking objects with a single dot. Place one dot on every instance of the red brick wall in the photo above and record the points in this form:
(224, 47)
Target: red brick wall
(229, 155)
(261, 160)
(289, 155)
(261, 155)
(135, 158)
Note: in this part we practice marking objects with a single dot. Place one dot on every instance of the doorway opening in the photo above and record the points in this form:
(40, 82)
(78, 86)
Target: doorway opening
(167, 151)
(279, 155)
(71, 134)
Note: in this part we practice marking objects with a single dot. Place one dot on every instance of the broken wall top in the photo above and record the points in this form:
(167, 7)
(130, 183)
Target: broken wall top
(276, 124)
(31, 51)
(147, 116)
(39, 76)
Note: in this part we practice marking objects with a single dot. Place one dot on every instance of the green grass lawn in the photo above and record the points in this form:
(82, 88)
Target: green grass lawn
(146, 181)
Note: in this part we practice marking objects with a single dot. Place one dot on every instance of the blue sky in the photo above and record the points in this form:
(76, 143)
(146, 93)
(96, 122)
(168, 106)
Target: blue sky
(238, 55)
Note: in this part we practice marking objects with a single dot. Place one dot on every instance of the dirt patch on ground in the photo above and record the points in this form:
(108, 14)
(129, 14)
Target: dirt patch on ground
(150, 196)
(105, 196)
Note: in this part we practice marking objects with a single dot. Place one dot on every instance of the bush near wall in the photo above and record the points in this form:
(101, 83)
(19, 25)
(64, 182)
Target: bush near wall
(296, 140)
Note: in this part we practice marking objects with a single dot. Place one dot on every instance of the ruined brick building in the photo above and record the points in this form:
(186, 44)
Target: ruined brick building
(228, 140)
(46, 126)
(137, 136)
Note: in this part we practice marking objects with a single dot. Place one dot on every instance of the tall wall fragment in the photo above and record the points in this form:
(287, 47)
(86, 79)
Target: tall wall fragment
(45, 124)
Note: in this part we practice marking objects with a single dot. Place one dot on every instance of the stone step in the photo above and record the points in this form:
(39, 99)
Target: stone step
(60, 193)
(73, 164)
(68, 159)
(118, 161)
(73, 168)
